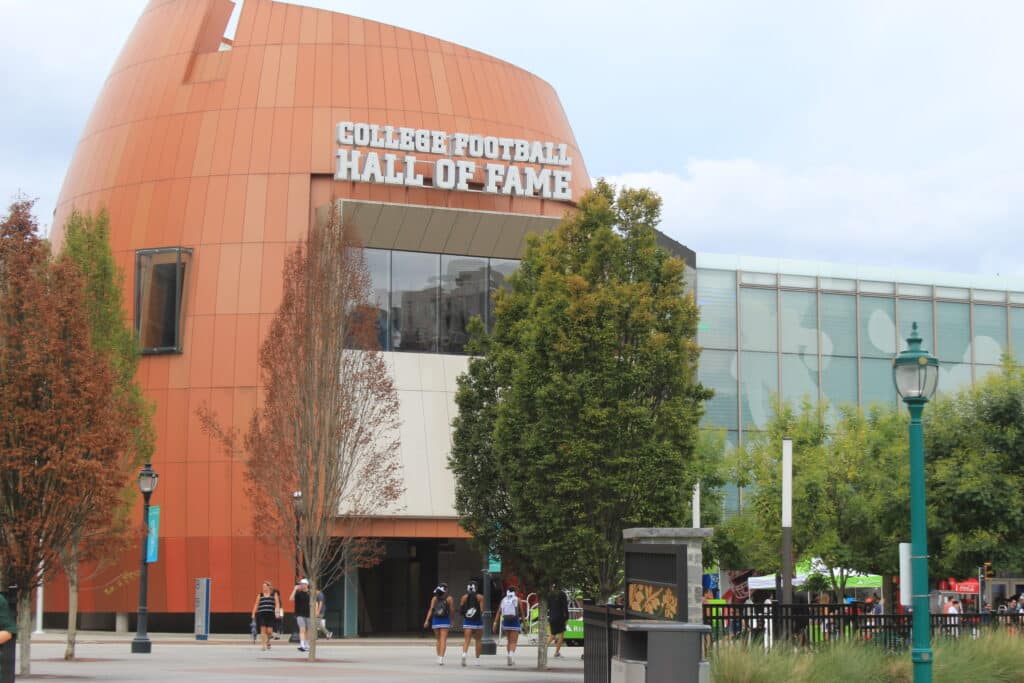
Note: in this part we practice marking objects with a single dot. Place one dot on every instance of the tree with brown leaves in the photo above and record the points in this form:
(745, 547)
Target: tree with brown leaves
(327, 425)
(64, 428)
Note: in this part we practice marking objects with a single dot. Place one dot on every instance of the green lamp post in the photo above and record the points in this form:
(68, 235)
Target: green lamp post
(916, 374)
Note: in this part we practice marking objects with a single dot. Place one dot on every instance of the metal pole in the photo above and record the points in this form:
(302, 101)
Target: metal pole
(141, 643)
(488, 645)
(787, 521)
(39, 606)
(921, 652)
(695, 505)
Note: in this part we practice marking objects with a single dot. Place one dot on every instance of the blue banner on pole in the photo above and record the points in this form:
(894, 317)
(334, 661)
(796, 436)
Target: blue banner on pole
(494, 564)
(152, 541)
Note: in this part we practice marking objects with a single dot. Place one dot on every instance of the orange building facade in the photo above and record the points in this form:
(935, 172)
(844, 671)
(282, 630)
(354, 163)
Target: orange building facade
(212, 157)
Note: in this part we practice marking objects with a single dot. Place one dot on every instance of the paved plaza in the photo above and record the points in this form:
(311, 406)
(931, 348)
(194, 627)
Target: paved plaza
(176, 657)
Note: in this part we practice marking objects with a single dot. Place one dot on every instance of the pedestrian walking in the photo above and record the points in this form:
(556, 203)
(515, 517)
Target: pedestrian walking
(471, 605)
(558, 617)
(510, 616)
(263, 611)
(278, 616)
(439, 619)
(300, 596)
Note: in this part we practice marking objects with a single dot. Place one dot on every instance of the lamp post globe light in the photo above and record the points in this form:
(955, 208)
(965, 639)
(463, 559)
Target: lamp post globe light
(147, 484)
(916, 375)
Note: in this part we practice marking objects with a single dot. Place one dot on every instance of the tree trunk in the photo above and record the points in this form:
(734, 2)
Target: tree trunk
(71, 571)
(314, 624)
(542, 633)
(25, 631)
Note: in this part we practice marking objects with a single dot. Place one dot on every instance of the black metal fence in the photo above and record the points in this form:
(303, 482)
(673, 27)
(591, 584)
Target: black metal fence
(813, 625)
(598, 644)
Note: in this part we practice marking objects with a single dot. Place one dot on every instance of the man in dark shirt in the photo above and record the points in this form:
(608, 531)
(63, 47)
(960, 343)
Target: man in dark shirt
(8, 630)
(300, 596)
(558, 616)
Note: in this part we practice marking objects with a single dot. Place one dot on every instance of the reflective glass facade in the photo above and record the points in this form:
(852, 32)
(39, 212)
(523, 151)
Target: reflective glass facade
(814, 334)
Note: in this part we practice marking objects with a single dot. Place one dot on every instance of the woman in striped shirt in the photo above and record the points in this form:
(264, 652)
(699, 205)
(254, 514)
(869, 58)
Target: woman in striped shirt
(264, 611)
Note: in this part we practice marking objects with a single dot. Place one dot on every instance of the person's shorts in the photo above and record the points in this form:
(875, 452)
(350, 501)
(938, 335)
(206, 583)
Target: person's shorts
(303, 622)
(557, 627)
(440, 622)
(265, 619)
(510, 623)
(473, 624)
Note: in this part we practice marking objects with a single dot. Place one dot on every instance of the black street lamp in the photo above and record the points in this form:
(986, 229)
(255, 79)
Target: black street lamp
(147, 484)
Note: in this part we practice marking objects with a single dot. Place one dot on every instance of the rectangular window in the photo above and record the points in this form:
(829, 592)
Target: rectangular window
(910, 311)
(800, 323)
(989, 334)
(716, 297)
(414, 298)
(160, 294)
(952, 333)
(953, 377)
(839, 382)
(717, 371)
(877, 327)
(838, 325)
(463, 296)
(799, 378)
(876, 385)
(1017, 334)
(378, 264)
(498, 272)
(759, 320)
(759, 374)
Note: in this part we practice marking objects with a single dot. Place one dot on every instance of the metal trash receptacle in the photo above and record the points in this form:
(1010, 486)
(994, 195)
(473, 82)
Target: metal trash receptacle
(665, 651)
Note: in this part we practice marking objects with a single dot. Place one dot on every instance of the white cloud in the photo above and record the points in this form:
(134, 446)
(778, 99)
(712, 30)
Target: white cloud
(924, 219)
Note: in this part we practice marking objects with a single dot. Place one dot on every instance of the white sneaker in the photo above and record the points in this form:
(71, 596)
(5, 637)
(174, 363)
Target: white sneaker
(463, 659)
(476, 661)
(509, 660)
(440, 661)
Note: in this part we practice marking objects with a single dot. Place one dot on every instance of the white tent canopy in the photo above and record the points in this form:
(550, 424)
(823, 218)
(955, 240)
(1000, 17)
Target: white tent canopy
(816, 566)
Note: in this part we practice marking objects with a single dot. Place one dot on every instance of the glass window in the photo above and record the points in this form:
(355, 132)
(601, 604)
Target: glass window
(989, 334)
(758, 320)
(463, 295)
(839, 381)
(802, 281)
(914, 290)
(716, 297)
(838, 284)
(759, 373)
(414, 279)
(717, 370)
(876, 287)
(989, 295)
(953, 377)
(758, 279)
(1017, 334)
(378, 264)
(877, 327)
(498, 272)
(951, 292)
(983, 371)
(160, 295)
(952, 332)
(838, 325)
(799, 378)
(909, 311)
(876, 385)
(799, 323)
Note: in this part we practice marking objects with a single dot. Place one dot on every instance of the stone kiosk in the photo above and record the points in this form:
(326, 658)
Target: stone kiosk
(661, 636)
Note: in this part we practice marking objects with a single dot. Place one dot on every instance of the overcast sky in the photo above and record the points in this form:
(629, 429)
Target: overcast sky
(882, 132)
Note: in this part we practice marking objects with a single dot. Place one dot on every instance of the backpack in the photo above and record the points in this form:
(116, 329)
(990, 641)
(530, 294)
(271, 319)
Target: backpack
(471, 608)
(441, 607)
(508, 606)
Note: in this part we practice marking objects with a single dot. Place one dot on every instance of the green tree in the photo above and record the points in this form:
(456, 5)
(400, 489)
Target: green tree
(581, 418)
(850, 499)
(974, 443)
(102, 529)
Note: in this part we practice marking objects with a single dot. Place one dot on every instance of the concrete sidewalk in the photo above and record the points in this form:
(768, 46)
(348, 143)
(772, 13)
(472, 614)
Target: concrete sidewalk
(178, 657)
